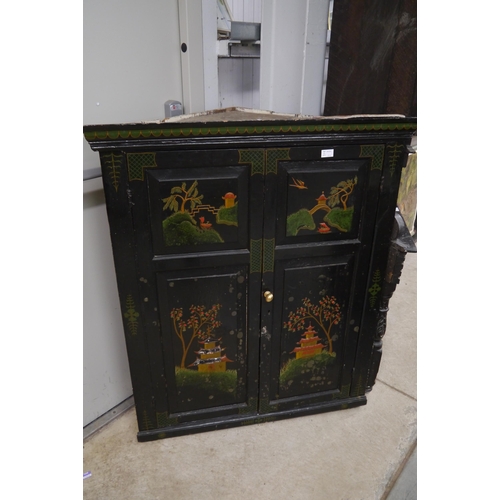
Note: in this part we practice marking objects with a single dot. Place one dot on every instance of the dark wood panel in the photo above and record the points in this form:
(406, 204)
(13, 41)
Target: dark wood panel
(196, 209)
(320, 201)
(131, 292)
(383, 224)
(204, 326)
(314, 274)
(402, 78)
(372, 64)
(312, 311)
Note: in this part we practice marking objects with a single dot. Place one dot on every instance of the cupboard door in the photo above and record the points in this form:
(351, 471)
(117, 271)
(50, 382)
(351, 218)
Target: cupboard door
(195, 256)
(205, 342)
(319, 228)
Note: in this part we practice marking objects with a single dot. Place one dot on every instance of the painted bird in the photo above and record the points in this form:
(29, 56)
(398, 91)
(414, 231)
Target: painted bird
(298, 184)
(203, 224)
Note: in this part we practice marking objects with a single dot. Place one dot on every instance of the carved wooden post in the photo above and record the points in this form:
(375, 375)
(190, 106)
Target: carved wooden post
(402, 243)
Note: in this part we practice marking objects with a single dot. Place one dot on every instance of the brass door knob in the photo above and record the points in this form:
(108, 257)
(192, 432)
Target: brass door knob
(268, 296)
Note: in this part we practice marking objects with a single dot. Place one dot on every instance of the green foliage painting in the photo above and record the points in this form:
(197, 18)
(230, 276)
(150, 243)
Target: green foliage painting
(312, 367)
(338, 214)
(216, 382)
(181, 229)
(341, 192)
(340, 219)
(186, 225)
(180, 194)
(228, 215)
(299, 220)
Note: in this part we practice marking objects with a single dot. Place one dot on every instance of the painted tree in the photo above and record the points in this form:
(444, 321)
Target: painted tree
(325, 315)
(182, 195)
(201, 323)
(341, 192)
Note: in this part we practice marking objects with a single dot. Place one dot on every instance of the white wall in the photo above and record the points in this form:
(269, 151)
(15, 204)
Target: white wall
(239, 78)
(131, 54)
(293, 60)
(106, 379)
(293, 43)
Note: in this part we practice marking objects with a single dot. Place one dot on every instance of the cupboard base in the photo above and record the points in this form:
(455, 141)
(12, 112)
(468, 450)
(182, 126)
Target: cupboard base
(240, 420)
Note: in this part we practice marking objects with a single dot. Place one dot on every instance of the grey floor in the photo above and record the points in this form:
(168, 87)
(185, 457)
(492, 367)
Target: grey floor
(405, 486)
(365, 453)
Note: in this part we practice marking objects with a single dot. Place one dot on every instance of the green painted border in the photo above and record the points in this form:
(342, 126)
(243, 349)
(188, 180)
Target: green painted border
(146, 421)
(256, 158)
(242, 130)
(164, 420)
(252, 407)
(394, 151)
(113, 163)
(131, 315)
(272, 158)
(359, 390)
(268, 257)
(375, 288)
(375, 152)
(265, 407)
(255, 256)
(137, 162)
(344, 393)
(263, 161)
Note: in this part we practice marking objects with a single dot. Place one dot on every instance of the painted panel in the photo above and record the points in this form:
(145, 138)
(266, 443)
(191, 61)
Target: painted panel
(312, 324)
(321, 203)
(204, 330)
(193, 212)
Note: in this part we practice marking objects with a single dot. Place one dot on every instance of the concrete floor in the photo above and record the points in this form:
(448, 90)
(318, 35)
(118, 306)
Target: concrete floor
(355, 454)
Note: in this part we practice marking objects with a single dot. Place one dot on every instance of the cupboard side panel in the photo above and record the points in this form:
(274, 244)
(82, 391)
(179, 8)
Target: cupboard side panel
(394, 160)
(125, 258)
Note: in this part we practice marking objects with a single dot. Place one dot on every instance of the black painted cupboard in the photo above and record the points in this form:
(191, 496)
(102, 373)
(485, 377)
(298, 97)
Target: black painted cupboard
(250, 251)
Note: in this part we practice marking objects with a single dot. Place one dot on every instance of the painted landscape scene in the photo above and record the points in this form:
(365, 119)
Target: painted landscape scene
(203, 371)
(314, 211)
(196, 218)
(312, 364)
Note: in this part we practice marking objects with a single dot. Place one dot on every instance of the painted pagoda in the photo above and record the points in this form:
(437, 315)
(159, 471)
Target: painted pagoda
(308, 344)
(211, 357)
